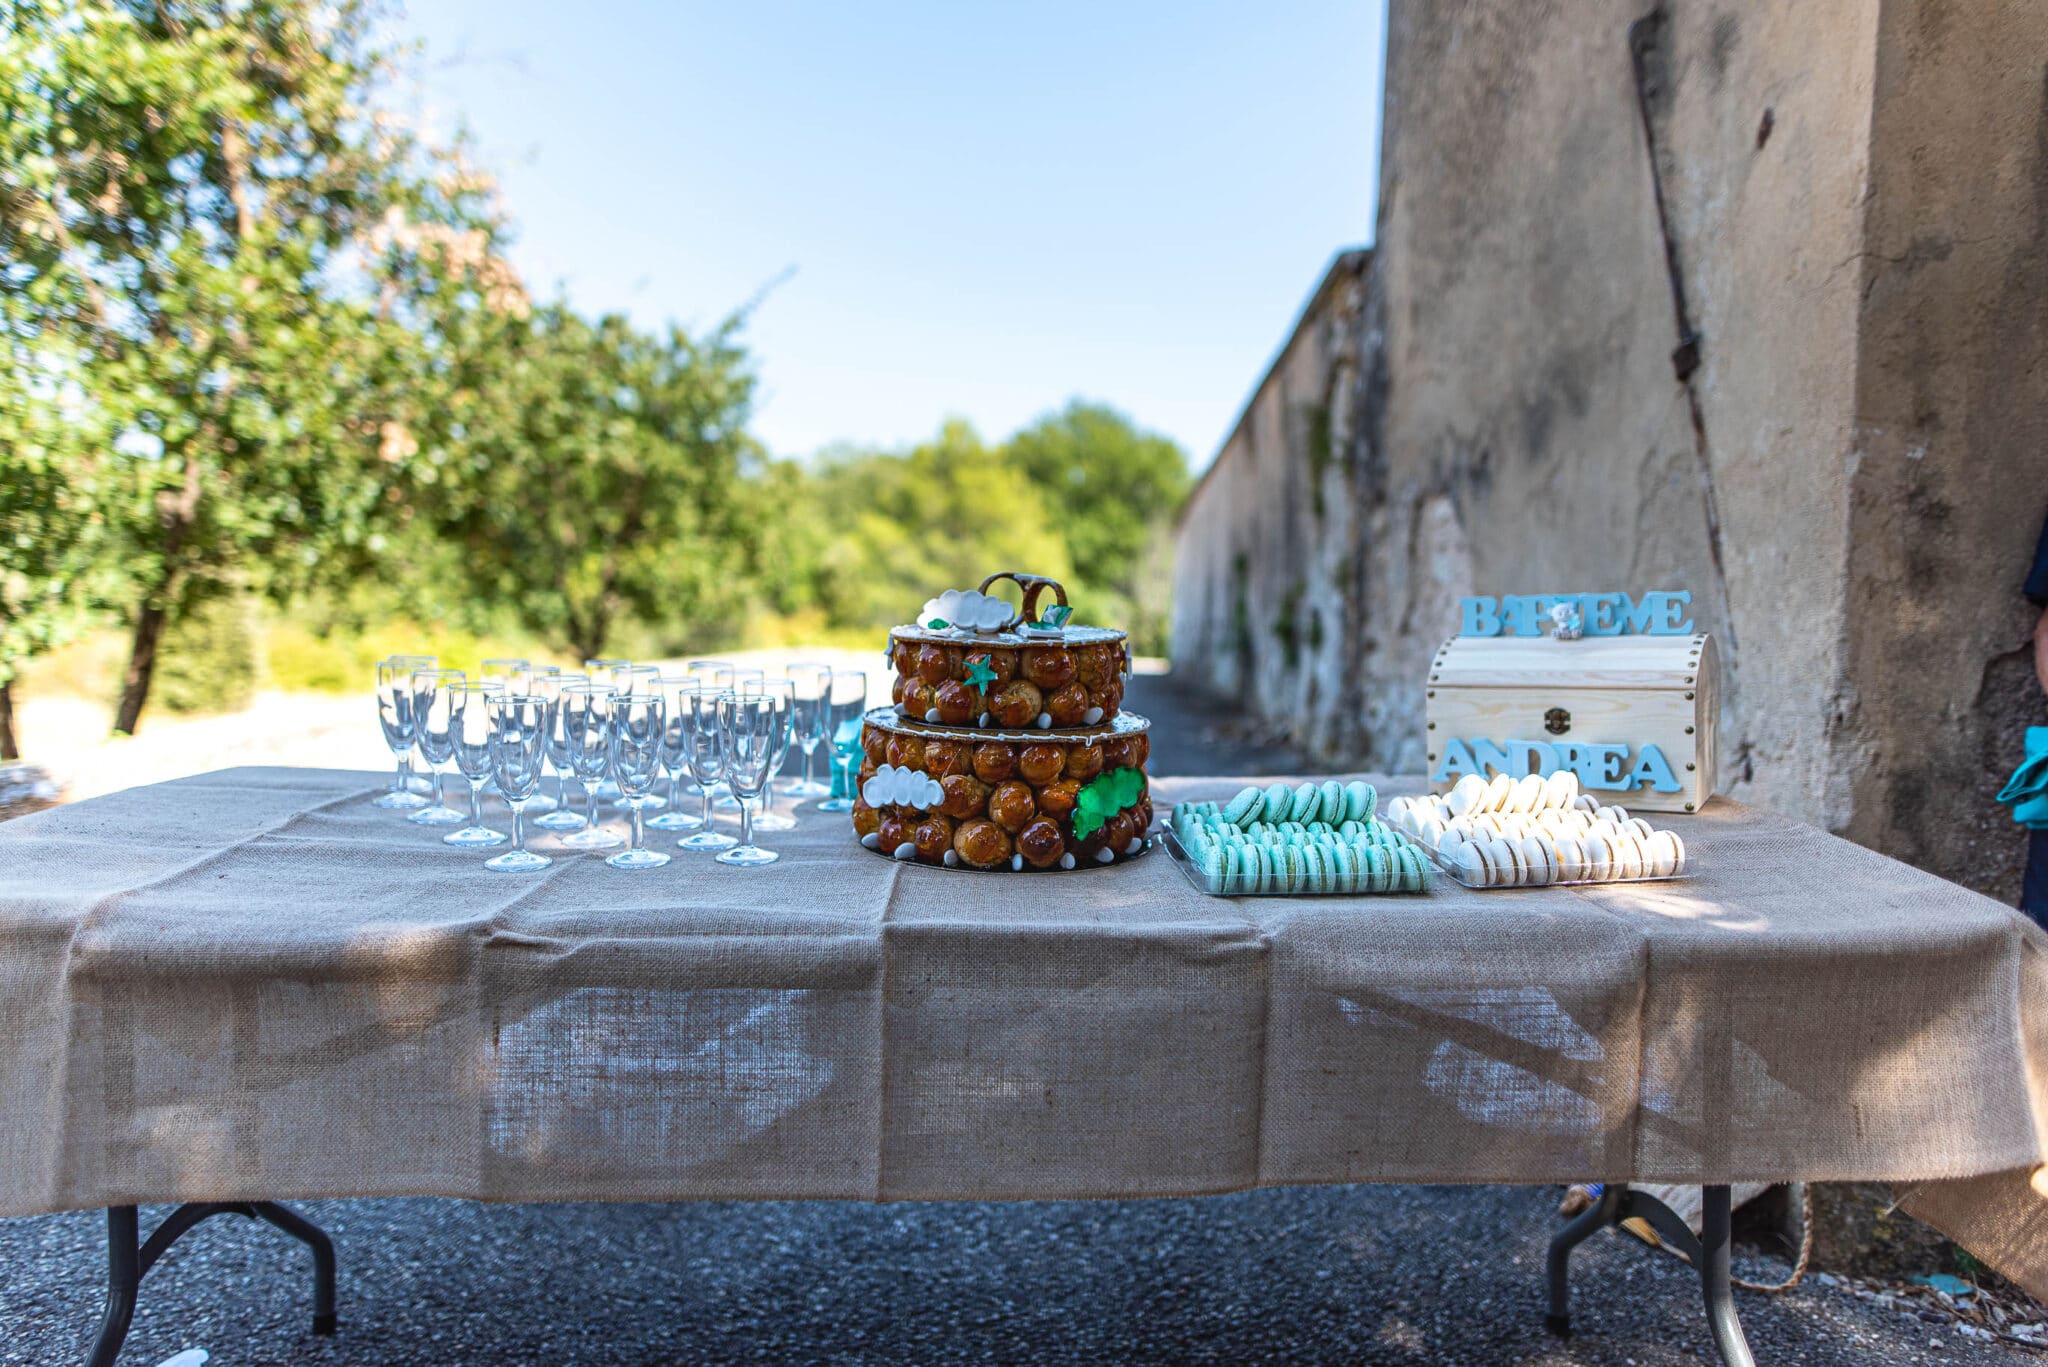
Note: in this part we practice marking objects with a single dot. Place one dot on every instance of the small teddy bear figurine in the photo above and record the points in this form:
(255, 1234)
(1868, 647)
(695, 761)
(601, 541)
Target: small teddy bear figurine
(1565, 622)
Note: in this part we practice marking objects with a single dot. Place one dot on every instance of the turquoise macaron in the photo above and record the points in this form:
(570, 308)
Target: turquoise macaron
(1279, 798)
(1244, 806)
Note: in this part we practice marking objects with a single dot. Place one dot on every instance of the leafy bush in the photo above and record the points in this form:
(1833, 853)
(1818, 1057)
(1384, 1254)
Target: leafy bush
(206, 661)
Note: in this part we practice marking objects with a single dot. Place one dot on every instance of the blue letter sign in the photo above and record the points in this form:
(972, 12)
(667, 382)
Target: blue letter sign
(1600, 614)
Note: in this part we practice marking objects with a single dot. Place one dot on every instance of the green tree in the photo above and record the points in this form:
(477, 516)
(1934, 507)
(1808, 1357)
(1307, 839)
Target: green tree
(896, 527)
(49, 532)
(597, 476)
(252, 265)
(1114, 490)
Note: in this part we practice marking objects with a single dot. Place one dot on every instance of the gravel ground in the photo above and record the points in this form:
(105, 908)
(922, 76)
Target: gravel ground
(1439, 1275)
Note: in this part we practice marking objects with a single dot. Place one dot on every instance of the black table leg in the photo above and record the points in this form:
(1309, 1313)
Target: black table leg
(124, 1274)
(129, 1261)
(1708, 1253)
(1583, 1226)
(1714, 1275)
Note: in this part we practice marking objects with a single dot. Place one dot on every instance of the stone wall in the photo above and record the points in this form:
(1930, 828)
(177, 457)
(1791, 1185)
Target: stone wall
(1843, 205)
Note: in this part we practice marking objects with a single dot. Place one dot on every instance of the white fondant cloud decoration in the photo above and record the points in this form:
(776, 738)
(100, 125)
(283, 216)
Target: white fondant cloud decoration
(967, 608)
(894, 787)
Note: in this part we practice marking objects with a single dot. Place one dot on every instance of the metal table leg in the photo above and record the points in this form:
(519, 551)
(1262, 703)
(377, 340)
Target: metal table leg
(129, 1260)
(1708, 1253)
(1714, 1274)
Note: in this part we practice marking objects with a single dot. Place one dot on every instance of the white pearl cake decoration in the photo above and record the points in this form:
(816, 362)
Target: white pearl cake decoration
(1533, 832)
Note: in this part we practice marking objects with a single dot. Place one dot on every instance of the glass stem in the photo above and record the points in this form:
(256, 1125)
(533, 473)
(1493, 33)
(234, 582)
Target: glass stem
(398, 777)
(675, 790)
(561, 791)
(590, 802)
(438, 776)
(405, 772)
(639, 832)
(476, 802)
(707, 787)
(518, 827)
(746, 823)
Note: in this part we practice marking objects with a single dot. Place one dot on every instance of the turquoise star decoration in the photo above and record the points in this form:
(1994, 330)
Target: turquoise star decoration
(1106, 794)
(980, 675)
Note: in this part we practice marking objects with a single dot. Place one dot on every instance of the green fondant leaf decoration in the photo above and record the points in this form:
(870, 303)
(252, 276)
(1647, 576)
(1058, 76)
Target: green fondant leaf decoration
(937, 624)
(1057, 616)
(1106, 794)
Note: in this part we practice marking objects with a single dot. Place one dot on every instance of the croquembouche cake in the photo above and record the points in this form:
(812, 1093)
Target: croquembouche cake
(1007, 745)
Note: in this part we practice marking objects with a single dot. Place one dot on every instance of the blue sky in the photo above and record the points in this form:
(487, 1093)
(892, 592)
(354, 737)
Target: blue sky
(984, 209)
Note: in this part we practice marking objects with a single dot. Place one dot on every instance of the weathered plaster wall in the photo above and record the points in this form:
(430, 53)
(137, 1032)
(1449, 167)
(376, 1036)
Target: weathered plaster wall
(1848, 479)
(1267, 550)
(1948, 471)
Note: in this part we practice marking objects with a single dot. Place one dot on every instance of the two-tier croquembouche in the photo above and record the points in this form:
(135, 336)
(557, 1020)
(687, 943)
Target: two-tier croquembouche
(1007, 746)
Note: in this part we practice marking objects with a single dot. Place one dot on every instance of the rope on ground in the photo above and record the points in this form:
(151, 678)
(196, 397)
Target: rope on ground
(1805, 1248)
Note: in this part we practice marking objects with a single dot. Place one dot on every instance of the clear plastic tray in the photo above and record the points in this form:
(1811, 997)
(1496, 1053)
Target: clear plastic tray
(1227, 886)
(1452, 873)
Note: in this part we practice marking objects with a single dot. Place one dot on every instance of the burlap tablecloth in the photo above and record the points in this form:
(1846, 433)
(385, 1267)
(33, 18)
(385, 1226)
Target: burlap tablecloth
(252, 984)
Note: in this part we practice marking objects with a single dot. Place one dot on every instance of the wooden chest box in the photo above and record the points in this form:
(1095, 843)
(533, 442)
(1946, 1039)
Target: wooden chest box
(1634, 716)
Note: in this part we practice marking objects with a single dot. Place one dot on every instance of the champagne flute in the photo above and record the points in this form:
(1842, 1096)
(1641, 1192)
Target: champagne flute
(704, 755)
(849, 705)
(433, 708)
(628, 679)
(637, 738)
(470, 728)
(675, 753)
(515, 675)
(548, 688)
(518, 727)
(542, 803)
(394, 716)
(752, 730)
(587, 710)
(783, 693)
(813, 702)
(739, 679)
(714, 676)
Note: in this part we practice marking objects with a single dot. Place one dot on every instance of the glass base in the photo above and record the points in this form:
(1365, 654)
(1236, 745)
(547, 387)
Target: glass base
(674, 821)
(807, 787)
(646, 802)
(836, 804)
(540, 802)
(438, 816)
(475, 837)
(706, 840)
(596, 838)
(401, 802)
(728, 803)
(518, 861)
(774, 821)
(748, 856)
(607, 791)
(563, 820)
(638, 859)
